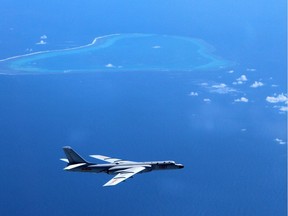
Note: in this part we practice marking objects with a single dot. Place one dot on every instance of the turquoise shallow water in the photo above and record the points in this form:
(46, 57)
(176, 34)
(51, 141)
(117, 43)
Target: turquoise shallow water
(122, 52)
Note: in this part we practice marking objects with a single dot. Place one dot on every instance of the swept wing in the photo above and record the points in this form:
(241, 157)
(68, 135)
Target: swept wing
(124, 174)
(110, 159)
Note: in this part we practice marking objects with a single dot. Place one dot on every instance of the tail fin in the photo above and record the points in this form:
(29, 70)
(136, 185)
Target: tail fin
(72, 156)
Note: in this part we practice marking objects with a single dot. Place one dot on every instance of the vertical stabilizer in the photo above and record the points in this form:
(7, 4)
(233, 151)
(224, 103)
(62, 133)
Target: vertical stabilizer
(72, 156)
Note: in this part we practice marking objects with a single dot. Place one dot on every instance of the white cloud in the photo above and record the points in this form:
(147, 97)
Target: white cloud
(256, 84)
(243, 129)
(207, 100)
(281, 142)
(281, 98)
(239, 81)
(29, 50)
(41, 42)
(221, 88)
(109, 65)
(156, 47)
(283, 108)
(251, 69)
(242, 78)
(273, 85)
(193, 94)
(221, 85)
(242, 99)
(277, 99)
(43, 37)
(231, 71)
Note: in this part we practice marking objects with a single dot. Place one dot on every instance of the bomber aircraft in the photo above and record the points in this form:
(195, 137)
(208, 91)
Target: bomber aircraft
(122, 169)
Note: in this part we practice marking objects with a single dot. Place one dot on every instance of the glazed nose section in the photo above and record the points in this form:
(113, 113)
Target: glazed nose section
(180, 166)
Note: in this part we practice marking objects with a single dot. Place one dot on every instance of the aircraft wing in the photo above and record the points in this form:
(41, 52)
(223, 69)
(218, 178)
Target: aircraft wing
(123, 175)
(109, 159)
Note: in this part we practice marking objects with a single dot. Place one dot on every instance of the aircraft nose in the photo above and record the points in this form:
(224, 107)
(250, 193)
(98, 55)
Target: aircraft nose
(180, 166)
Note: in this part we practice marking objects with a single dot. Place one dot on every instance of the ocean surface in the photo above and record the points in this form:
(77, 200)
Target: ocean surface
(201, 83)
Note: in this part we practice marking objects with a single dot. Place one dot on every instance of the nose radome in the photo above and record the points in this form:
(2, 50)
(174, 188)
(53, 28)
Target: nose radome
(180, 166)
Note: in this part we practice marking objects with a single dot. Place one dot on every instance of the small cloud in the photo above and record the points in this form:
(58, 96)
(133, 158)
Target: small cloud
(43, 37)
(193, 94)
(231, 71)
(256, 84)
(243, 129)
(239, 81)
(280, 141)
(221, 85)
(41, 42)
(242, 99)
(204, 84)
(283, 108)
(29, 50)
(251, 69)
(221, 88)
(281, 98)
(207, 100)
(109, 65)
(242, 78)
(277, 99)
(156, 47)
(274, 86)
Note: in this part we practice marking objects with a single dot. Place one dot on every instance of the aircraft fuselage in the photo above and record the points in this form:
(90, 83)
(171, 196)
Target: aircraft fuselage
(115, 168)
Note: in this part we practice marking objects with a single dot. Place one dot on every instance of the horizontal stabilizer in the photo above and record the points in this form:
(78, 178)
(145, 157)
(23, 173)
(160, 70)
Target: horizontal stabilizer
(74, 166)
(65, 160)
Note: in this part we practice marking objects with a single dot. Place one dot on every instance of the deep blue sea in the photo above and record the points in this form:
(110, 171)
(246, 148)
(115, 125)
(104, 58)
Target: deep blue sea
(227, 123)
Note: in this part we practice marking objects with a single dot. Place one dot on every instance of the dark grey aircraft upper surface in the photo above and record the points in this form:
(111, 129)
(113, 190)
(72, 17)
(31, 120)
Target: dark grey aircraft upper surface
(122, 169)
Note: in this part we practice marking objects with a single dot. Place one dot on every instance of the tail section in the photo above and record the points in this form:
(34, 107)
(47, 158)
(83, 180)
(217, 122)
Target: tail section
(73, 157)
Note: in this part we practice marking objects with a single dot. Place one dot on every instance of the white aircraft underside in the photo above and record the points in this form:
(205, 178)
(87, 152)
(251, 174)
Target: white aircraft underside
(122, 169)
